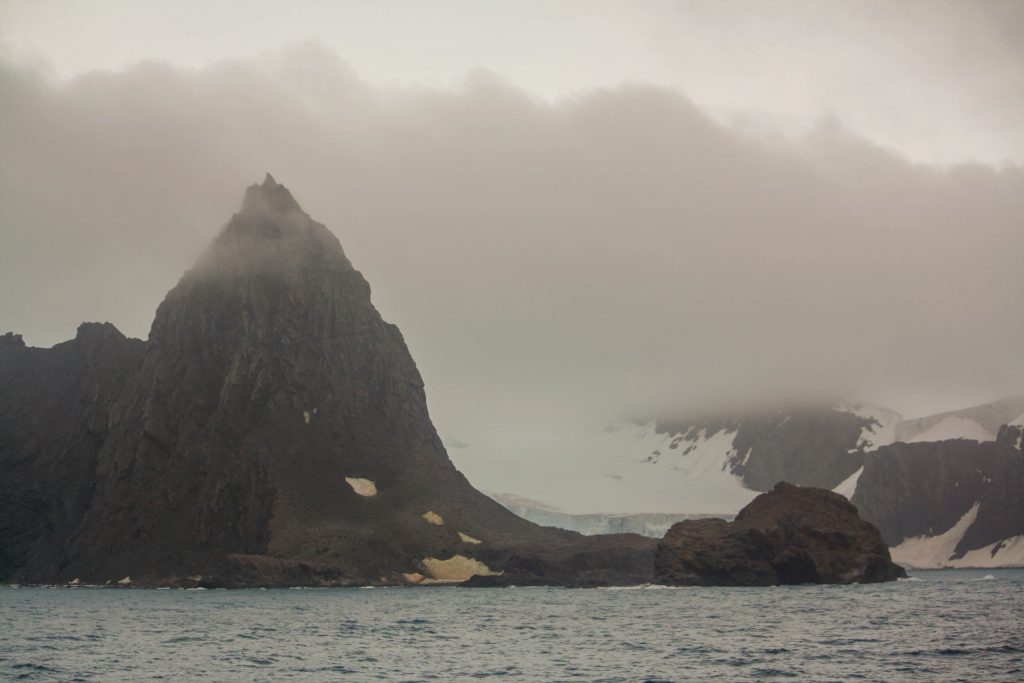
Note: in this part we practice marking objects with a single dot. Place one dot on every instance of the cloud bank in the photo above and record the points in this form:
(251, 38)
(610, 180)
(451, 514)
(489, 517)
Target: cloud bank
(550, 263)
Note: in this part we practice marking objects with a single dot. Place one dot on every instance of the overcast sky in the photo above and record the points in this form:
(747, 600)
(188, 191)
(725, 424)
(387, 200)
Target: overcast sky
(575, 212)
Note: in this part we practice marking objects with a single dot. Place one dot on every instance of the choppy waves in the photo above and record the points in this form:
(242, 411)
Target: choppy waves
(943, 626)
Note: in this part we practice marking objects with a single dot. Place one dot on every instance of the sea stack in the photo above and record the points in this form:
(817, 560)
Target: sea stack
(790, 535)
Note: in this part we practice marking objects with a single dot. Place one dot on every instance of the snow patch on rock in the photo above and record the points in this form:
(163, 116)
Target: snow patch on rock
(1006, 553)
(933, 552)
(953, 427)
(456, 568)
(364, 487)
(433, 518)
(849, 485)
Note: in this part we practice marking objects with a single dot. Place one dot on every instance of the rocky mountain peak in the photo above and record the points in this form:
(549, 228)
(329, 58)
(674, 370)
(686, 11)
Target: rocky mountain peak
(12, 340)
(273, 430)
(97, 332)
(271, 232)
(268, 197)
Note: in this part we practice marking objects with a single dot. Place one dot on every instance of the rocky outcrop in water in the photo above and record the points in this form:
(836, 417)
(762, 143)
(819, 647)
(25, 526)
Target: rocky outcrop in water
(790, 535)
(273, 430)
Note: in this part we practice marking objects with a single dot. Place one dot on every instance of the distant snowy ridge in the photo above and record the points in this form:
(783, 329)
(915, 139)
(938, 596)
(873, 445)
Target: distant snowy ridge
(642, 477)
(979, 423)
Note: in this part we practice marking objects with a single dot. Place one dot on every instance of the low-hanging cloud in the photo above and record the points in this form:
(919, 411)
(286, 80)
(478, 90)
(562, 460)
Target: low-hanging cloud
(604, 255)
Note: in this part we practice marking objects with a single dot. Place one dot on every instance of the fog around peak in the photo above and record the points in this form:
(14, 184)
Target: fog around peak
(553, 264)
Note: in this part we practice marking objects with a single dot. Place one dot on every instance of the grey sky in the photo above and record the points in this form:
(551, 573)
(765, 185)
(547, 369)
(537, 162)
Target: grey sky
(940, 80)
(558, 247)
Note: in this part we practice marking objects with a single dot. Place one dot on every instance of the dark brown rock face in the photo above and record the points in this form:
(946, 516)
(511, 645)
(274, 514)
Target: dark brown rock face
(55, 409)
(922, 489)
(787, 536)
(238, 443)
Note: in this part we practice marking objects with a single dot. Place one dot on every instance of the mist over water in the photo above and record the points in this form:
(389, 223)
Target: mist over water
(939, 626)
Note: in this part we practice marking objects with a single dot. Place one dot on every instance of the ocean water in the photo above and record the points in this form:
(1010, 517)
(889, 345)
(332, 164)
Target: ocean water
(938, 626)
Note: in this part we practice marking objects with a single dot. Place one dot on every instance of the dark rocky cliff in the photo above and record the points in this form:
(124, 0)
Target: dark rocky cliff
(54, 419)
(273, 429)
(923, 489)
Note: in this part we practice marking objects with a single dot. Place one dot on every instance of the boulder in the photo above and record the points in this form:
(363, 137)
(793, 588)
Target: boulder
(790, 535)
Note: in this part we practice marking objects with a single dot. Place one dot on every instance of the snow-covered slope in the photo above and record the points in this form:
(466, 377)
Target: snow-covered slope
(978, 423)
(953, 427)
(848, 487)
(677, 473)
(939, 551)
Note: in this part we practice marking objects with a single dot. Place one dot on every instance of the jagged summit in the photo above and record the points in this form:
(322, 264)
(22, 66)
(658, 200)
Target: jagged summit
(271, 232)
(268, 197)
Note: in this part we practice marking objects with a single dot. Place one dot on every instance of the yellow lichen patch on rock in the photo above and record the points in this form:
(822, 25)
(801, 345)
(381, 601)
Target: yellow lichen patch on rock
(466, 538)
(433, 518)
(456, 568)
(364, 487)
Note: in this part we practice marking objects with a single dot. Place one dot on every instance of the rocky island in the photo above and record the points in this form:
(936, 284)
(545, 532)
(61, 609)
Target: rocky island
(273, 431)
(789, 535)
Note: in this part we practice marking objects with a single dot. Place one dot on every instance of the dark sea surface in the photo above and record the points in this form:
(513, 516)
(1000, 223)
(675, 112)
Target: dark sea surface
(961, 625)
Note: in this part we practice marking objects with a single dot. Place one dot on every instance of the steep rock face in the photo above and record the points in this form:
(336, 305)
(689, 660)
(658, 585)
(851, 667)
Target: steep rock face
(54, 418)
(273, 429)
(787, 536)
(912, 490)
